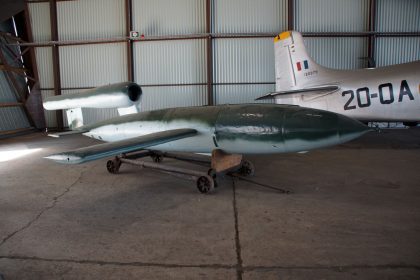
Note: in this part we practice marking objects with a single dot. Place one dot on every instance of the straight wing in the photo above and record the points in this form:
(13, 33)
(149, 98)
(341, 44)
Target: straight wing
(124, 146)
(320, 89)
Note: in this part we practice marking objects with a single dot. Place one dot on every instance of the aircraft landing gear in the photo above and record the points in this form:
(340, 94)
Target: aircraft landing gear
(113, 165)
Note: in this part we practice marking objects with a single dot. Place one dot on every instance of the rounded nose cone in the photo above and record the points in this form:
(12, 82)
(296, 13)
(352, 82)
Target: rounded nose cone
(349, 128)
(307, 129)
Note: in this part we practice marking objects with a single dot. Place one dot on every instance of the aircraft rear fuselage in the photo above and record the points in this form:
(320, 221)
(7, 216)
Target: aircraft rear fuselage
(383, 94)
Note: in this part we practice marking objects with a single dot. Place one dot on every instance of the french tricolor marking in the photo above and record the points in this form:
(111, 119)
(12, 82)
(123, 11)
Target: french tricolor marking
(299, 65)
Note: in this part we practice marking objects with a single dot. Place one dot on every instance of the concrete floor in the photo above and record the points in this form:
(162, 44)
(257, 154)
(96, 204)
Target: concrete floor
(354, 214)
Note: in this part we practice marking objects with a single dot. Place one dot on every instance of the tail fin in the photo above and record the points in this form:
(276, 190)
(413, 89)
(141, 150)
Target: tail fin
(295, 69)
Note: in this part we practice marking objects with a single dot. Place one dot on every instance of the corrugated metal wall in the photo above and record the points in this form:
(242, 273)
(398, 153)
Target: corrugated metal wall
(245, 60)
(331, 15)
(338, 52)
(248, 60)
(12, 117)
(397, 16)
(90, 19)
(162, 17)
(82, 65)
(93, 65)
(334, 16)
(170, 62)
(39, 14)
(174, 72)
(389, 50)
(249, 16)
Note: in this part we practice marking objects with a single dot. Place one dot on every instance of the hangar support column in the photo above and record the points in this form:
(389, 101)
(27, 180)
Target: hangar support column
(56, 59)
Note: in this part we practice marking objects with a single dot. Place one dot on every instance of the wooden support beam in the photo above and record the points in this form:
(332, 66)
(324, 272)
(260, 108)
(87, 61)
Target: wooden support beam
(290, 15)
(129, 27)
(372, 37)
(56, 59)
(209, 42)
(11, 104)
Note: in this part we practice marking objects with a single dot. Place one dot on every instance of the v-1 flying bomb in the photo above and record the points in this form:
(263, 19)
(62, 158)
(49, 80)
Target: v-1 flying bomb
(225, 131)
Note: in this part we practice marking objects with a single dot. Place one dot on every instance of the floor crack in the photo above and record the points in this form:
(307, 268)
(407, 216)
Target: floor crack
(54, 202)
(117, 263)
(239, 265)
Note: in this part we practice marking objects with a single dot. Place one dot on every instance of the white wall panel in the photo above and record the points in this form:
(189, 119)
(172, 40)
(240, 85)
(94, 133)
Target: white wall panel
(170, 97)
(90, 19)
(243, 60)
(170, 62)
(45, 67)
(162, 17)
(248, 16)
(338, 53)
(394, 50)
(93, 65)
(331, 15)
(235, 94)
(398, 16)
(39, 14)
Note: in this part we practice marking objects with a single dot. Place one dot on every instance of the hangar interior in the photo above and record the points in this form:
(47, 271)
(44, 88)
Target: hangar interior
(353, 211)
(190, 52)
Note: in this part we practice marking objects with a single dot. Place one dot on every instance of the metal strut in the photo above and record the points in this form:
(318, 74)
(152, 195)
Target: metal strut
(204, 182)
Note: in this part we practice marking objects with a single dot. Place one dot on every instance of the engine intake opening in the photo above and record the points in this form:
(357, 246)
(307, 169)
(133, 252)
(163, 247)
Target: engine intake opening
(134, 92)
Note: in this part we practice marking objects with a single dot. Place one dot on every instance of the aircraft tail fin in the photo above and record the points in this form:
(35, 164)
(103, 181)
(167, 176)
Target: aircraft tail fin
(294, 68)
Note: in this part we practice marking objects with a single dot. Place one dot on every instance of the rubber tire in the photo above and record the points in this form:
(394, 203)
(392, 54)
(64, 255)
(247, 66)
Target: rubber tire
(247, 168)
(205, 184)
(157, 158)
(113, 166)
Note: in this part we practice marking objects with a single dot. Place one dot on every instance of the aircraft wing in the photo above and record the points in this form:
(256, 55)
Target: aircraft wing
(124, 146)
(320, 89)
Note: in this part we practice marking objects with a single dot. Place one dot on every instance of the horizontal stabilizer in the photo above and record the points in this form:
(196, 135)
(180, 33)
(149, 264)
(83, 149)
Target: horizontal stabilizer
(71, 132)
(320, 89)
(124, 146)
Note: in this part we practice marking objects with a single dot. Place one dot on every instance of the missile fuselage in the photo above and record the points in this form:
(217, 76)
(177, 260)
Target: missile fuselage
(244, 129)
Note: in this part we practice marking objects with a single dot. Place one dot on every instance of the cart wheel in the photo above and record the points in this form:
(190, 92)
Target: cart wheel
(157, 158)
(113, 166)
(205, 184)
(247, 168)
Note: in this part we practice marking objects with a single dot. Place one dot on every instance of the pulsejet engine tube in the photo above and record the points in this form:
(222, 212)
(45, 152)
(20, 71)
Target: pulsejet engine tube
(121, 95)
(125, 97)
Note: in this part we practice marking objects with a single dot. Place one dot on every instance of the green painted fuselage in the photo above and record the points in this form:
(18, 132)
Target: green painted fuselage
(244, 129)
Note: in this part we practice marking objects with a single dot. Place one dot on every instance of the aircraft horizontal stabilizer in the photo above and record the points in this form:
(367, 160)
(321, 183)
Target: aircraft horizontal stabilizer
(124, 146)
(71, 132)
(320, 89)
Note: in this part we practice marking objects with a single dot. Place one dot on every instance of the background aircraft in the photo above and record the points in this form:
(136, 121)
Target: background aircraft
(388, 93)
(224, 130)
